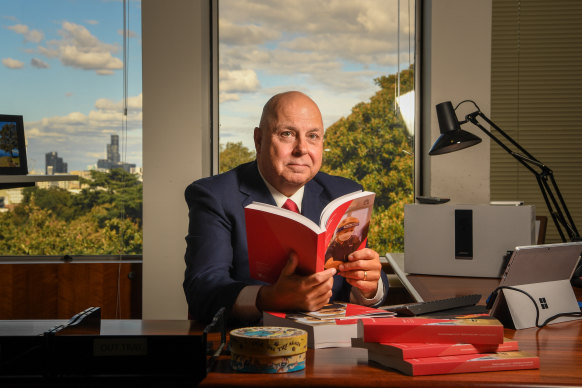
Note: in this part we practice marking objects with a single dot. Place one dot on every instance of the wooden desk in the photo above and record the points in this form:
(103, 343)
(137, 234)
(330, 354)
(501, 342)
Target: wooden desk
(123, 353)
(559, 347)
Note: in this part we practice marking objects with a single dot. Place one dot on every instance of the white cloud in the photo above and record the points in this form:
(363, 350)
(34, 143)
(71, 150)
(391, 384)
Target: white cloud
(106, 116)
(224, 97)
(39, 64)
(335, 43)
(12, 63)
(130, 33)
(79, 49)
(34, 36)
(239, 81)
(309, 66)
(245, 34)
(330, 49)
(18, 28)
(373, 17)
(79, 136)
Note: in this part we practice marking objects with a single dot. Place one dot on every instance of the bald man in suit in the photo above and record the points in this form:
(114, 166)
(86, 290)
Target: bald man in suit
(289, 149)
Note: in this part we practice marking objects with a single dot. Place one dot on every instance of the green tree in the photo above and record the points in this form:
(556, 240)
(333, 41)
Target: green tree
(120, 191)
(104, 218)
(59, 201)
(373, 147)
(45, 234)
(234, 154)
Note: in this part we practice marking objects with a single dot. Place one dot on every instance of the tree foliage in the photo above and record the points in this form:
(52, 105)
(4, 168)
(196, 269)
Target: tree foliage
(104, 218)
(8, 139)
(234, 154)
(373, 147)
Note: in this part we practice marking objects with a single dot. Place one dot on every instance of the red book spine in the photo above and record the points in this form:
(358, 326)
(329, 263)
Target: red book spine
(421, 350)
(434, 350)
(472, 331)
(473, 363)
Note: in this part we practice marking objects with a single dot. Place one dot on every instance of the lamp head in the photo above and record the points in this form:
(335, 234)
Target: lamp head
(452, 137)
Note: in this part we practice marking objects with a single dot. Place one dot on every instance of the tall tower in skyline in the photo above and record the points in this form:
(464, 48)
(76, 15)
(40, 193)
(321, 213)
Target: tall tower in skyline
(113, 157)
(113, 150)
(54, 164)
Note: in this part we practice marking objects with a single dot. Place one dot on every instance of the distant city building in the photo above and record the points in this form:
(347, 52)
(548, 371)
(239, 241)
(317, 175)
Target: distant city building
(54, 164)
(12, 197)
(113, 158)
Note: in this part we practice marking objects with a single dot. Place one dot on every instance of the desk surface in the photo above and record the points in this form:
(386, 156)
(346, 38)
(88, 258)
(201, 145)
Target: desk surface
(126, 327)
(559, 347)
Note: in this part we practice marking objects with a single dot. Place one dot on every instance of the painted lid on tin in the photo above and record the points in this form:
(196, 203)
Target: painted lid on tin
(268, 341)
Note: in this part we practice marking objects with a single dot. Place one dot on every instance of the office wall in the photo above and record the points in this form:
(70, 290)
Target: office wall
(457, 66)
(176, 123)
(176, 142)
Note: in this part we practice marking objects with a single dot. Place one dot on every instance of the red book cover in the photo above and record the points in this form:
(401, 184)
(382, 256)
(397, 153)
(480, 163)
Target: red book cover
(273, 232)
(422, 350)
(481, 330)
(458, 364)
(322, 325)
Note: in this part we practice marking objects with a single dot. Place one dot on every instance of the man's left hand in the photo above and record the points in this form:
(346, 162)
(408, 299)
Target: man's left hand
(363, 271)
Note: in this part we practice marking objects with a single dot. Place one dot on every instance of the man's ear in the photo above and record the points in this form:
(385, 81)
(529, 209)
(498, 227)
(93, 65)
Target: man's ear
(258, 137)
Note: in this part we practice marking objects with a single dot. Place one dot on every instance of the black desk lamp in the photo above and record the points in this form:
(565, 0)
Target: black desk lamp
(453, 138)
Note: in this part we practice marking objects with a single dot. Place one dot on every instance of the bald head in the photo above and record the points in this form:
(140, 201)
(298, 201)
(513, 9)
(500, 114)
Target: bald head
(269, 114)
(289, 141)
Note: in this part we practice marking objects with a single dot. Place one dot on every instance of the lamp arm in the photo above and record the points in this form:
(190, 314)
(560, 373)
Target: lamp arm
(525, 161)
(556, 206)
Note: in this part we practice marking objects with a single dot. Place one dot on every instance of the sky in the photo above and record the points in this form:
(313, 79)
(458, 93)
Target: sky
(330, 49)
(61, 68)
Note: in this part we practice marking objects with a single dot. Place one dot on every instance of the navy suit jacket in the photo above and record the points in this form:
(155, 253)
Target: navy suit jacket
(216, 255)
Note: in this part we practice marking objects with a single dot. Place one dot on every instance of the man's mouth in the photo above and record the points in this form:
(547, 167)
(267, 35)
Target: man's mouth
(297, 165)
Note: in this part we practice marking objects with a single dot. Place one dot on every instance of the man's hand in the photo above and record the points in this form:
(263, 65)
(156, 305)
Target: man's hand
(363, 271)
(293, 292)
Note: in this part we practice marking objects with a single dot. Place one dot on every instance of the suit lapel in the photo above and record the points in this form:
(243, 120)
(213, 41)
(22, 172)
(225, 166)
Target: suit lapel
(313, 202)
(252, 186)
(254, 189)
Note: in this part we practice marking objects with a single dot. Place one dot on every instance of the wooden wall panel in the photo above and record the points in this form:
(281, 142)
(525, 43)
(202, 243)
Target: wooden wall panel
(61, 290)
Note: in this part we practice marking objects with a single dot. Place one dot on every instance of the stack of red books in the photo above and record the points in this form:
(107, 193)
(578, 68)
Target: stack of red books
(426, 346)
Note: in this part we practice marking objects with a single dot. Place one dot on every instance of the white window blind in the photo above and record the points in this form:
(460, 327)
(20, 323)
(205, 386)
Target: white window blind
(536, 97)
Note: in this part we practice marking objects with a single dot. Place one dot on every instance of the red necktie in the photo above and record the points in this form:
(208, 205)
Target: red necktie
(290, 205)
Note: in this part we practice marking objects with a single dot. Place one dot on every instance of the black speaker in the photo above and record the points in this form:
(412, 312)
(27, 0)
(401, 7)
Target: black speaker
(463, 234)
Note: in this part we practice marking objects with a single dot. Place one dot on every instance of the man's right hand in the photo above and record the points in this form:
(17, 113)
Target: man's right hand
(293, 292)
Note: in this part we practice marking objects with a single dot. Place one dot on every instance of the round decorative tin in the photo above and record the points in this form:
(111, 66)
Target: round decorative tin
(267, 364)
(268, 341)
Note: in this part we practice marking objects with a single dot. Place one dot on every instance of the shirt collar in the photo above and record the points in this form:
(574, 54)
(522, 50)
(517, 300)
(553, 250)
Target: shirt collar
(279, 197)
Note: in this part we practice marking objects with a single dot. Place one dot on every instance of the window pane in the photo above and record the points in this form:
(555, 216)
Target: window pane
(63, 70)
(355, 59)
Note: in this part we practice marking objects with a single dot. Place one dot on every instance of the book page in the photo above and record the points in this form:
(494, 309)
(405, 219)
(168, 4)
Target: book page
(347, 228)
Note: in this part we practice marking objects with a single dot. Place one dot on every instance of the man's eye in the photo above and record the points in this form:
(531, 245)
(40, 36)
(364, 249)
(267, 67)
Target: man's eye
(314, 136)
(286, 133)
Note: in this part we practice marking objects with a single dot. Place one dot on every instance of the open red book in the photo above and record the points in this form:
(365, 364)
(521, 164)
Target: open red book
(273, 232)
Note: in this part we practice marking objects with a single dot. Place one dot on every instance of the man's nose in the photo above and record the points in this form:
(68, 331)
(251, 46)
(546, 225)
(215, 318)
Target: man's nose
(300, 145)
